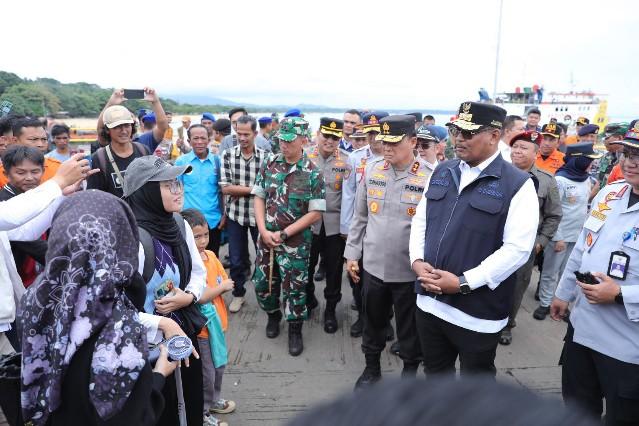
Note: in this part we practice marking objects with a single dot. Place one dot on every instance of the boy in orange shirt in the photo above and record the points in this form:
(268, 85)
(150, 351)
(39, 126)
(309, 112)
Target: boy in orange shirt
(213, 351)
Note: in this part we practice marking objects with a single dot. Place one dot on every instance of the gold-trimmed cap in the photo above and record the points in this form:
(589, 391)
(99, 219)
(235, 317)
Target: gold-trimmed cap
(394, 127)
(474, 115)
(332, 126)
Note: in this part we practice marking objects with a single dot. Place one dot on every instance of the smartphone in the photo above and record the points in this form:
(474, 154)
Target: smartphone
(586, 277)
(134, 93)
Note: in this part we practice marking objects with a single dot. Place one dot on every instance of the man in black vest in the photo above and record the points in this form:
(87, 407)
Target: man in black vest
(475, 226)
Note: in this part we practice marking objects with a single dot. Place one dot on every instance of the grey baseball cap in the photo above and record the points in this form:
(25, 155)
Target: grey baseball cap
(150, 169)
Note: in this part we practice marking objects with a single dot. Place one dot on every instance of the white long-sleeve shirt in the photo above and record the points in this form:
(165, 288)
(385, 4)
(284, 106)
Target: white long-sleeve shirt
(24, 217)
(520, 231)
(196, 285)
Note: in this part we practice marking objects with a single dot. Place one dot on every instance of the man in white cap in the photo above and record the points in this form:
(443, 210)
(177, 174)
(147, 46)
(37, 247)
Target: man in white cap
(116, 127)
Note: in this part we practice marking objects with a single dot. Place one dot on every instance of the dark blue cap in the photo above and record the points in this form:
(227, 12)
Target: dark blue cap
(373, 117)
(142, 112)
(265, 120)
(149, 118)
(440, 132)
(588, 129)
(293, 112)
(208, 116)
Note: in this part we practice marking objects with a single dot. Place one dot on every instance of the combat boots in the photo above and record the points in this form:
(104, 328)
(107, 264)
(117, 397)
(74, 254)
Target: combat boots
(372, 373)
(330, 320)
(295, 343)
(273, 324)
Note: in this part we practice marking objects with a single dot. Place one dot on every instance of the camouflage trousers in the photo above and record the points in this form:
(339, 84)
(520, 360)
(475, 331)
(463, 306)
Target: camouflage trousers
(290, 275)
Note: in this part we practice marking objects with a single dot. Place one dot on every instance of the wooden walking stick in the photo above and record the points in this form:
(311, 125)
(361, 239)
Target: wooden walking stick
(270, 270)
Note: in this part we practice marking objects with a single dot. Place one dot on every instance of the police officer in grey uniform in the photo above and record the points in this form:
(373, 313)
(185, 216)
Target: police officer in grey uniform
(524, 148)
(386, 202)
(327, 239)
(358, 160)
(600, 359)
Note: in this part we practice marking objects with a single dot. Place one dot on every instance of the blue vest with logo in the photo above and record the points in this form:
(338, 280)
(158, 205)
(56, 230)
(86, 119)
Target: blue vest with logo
(463, 229)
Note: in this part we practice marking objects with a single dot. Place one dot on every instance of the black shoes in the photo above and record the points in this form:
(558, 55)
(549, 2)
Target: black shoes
(330, 321)
(273, 324)
(395, 348)
(320, 274)
(541, 313)
(311, 304)
(357, 328)
(295, 343)
(369, 377)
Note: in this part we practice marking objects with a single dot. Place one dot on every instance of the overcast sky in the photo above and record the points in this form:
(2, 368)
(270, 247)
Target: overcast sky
(373, 54)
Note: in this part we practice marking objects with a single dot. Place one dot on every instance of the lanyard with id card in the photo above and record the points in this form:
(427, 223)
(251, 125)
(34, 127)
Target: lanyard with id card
(620, 260)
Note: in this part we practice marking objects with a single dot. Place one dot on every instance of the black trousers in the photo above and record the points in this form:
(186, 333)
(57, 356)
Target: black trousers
(332, 250)
(442, 342)
(378, 298)
(215, 237)
(588, 377)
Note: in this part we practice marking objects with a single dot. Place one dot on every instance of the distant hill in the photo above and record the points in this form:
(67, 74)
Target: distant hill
(46, 96)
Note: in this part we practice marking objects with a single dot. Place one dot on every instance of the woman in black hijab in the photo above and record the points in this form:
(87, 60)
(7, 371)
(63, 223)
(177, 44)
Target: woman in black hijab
(154, 192)
(84, 349)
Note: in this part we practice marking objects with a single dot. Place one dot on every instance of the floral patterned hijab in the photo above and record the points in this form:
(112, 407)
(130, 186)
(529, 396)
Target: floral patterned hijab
(91, 264)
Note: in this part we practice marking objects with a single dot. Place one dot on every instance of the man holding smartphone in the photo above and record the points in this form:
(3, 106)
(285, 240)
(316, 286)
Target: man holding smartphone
(600, 358)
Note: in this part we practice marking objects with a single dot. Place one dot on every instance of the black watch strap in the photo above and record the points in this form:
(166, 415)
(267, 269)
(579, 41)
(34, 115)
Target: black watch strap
(194, 296)
(464, 287)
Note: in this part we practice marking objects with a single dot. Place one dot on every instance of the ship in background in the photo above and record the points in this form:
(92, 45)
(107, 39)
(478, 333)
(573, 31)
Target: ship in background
(563, 107)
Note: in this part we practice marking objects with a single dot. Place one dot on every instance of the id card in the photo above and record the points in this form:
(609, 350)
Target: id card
(618, 265)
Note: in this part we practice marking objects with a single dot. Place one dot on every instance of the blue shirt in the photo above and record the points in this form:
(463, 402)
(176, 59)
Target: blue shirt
(201, 186)
(148, 140)
(56, 155)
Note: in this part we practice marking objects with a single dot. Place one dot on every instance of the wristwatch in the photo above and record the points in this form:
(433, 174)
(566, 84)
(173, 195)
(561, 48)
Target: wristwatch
(194, 296)
(464, 288)
(619, 297)
(283, 235)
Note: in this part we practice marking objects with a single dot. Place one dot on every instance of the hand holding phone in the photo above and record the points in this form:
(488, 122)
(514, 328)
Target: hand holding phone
(586, 277)
(134, 93)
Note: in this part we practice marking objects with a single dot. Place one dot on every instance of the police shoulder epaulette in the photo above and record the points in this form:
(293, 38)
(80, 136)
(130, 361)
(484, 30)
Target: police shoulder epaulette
(415, 167)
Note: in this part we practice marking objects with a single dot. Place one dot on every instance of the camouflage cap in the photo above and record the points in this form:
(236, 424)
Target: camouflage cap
(291, 128)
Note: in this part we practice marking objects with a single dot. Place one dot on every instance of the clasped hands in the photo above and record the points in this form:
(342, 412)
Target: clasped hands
(435, 280)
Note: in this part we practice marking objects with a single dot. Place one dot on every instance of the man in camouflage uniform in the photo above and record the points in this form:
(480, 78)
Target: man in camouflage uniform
(327, 239)
(614, 132)
(289, 198)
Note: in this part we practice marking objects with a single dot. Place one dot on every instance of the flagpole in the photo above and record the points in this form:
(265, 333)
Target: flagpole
(501, 6)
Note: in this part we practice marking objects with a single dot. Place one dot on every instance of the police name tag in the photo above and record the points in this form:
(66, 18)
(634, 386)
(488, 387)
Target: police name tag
(618, 265)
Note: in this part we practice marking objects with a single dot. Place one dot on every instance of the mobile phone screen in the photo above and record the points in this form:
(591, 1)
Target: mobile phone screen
(134, 93)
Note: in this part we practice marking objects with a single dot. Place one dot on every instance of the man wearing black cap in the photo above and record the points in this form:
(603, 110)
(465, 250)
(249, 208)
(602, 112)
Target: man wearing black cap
(358, 159)
(524, 152)
(327, 239)
(473, 228)
(379, 231)
(549, 158)
(579, 123)
(418, 119)
(600, 357)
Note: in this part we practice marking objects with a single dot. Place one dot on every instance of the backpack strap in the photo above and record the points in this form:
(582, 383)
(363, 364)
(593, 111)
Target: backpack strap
(101, 154)
(149, 250)
(142, 149)
(149, 254)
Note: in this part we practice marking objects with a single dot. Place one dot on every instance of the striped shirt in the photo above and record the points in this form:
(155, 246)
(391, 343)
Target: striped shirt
(236, 170)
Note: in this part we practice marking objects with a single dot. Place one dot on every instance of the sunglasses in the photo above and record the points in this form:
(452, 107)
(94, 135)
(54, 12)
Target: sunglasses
(425, 144)
(467, 134)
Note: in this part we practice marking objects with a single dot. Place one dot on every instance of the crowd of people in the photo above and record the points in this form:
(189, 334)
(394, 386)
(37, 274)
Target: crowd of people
(108, 256)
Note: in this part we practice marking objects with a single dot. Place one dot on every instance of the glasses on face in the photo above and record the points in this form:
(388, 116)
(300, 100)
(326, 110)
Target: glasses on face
(333, 137)
(467, 134)
(630, 157)
(175, 187)
(424, 145)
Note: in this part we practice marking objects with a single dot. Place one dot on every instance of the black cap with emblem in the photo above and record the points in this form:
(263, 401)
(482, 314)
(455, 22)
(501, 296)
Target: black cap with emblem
(394, 127)
(331, 126)
(475, 115)
(551, 129)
